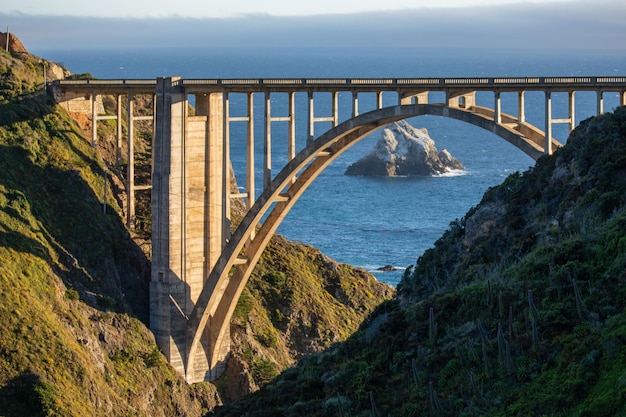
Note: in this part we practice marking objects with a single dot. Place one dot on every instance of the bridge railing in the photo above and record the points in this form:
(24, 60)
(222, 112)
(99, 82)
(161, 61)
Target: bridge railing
(587, 82)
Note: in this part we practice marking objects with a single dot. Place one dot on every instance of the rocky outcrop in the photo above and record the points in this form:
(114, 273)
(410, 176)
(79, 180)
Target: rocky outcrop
(405, 150)
(13, 45)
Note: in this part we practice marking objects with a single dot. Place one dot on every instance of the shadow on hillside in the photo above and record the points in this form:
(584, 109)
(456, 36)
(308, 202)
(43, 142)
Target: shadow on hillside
(26, 395)
(27, 107)
(55, 215)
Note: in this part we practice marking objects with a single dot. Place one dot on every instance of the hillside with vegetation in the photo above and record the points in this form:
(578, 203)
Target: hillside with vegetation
(74, 336)
(517, 310)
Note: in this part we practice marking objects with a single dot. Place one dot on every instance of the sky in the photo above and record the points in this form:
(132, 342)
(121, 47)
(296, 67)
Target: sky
(539, 24)
(234, 8)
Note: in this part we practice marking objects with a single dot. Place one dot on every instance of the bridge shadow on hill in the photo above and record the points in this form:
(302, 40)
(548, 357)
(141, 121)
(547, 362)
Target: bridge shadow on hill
(26, 394)
(53, 214)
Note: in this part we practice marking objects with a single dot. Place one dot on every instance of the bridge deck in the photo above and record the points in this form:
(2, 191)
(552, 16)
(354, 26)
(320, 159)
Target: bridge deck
(147, 86)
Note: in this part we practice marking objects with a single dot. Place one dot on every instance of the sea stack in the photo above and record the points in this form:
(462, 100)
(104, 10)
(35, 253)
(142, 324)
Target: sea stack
(404, 150)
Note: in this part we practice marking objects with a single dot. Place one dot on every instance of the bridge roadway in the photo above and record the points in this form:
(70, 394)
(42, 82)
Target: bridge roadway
(199, 268)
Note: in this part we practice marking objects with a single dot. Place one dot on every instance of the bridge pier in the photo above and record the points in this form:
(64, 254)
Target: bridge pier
(190, 221)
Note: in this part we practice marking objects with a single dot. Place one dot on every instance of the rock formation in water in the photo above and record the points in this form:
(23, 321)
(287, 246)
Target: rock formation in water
(404, 150)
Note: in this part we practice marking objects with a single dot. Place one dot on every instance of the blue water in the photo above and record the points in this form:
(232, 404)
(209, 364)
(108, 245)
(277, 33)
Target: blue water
(371, 222)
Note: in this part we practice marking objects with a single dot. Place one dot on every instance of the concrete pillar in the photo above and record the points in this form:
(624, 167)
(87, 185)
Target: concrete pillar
(168, 291)
(250, 153)
(94, 121)
(600, 103)
(469, 99)
(404, 100)
(225, 165)
(548, 132)
(421, 98)
(335, 109)
(622, 98)
(497, 108)
(190, 220)
(291, 146)
(267, 149)
(572, 110)
(355, 104)
(452, 99)
(130, 165)
(311, 120)
(521, 107)
(118, 144)
(379, 99)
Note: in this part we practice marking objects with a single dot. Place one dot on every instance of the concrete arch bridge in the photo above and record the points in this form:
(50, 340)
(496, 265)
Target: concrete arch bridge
(199, 268)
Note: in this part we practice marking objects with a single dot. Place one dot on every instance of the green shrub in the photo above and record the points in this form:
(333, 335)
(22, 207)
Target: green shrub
(72, 294)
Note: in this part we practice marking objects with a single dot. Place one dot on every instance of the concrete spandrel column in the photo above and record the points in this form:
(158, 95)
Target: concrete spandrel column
(217, 218)
(497, 108)
(572, 110)
(521, 107)
(118, 146)
(267, 147)
(600, 103)
(130, 166)
(469, 100)
(291, 147)
(335, 109)
(311, 119)
(548, 132)
(94, 122)
(250, 154)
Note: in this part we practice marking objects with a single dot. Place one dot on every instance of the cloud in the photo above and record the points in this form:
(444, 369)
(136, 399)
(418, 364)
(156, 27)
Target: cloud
(575, 25)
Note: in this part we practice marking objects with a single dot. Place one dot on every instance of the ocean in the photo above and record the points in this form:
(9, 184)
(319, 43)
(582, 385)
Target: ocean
(372, 222)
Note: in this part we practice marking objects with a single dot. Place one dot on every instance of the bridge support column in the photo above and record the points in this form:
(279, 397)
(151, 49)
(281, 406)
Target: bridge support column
(457, 99)
(189, 220)
(355, 104)
(118, 142)
(622, 98)
(548, 132)
(419, 98)
(521, 107)
(497, 108)
(600, 103)
(311, 119)
(572, 110)
(267, 149)
(94, 121)
(130, 166)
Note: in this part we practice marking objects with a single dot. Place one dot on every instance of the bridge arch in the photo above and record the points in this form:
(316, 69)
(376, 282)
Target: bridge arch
(218, 298)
